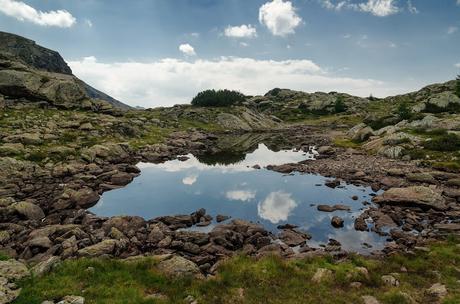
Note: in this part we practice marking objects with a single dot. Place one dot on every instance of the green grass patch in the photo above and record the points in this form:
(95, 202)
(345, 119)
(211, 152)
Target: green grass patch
(243, 279)
(346, 143)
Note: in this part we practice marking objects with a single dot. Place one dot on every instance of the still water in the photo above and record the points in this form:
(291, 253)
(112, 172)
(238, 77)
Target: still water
(241, 191)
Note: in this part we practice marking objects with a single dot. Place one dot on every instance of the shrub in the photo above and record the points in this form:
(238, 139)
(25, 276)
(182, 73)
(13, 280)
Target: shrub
(444, 143)
(404, 112)
(219, 98)
(340, 105)
(457, 86)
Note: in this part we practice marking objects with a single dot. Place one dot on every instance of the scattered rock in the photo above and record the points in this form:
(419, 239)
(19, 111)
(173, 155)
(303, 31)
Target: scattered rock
(390, 280)
(321, 275)
(220, 218)
(370, 300)
(419, 196)
(337, 222)
(178, 266)
(437, 292)
(72, 300)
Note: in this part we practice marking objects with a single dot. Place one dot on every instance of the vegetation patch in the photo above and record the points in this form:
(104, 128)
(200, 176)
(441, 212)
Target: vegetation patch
(445, 143)
(219, 98)
(243, 279)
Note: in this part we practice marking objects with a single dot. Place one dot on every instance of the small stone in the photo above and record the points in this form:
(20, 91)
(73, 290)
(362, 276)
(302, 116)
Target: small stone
(337, 222)
(322, 274)
(390, 280)
(72, 300)
(370, 300)
(220, 218)
(437, 291)
(356, 285)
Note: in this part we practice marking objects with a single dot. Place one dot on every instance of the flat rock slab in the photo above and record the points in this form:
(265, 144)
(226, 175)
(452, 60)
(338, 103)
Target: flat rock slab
(417, 196)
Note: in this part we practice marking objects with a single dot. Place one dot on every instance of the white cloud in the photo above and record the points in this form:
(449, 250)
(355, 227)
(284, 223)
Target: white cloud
(457, 65)
(242, 31)
(244, 44)
(452, 29)
(241, 195)
(339, 6)
(276, 207)
(190, 180)
(89, 23)
(187, 49)
(458, 2)
(279, 17)
(380, 8)
(169, 81)
(412, 9)
(24, 12)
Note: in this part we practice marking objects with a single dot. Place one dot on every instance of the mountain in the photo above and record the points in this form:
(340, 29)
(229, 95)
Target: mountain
(35, 73)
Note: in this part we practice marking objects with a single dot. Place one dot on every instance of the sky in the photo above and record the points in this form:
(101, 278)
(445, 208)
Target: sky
(163, 52)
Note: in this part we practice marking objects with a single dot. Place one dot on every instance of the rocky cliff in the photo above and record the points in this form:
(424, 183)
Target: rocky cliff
(32, 73)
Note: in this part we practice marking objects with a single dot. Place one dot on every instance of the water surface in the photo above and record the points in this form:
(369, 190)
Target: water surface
(241, 191)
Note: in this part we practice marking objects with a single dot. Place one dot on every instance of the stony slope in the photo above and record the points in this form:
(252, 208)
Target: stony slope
(35, 73)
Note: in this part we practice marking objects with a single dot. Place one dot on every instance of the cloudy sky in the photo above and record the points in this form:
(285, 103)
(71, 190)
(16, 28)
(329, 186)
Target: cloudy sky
(162, 52)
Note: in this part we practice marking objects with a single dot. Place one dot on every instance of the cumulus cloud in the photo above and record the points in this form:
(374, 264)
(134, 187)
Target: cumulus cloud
(242, 31)
(457, 65)
(279, 17)
(167, 82)
(187, 49)
(380, 8)
(240, 195)
(24, 12)
(452, 29)
(276, 207)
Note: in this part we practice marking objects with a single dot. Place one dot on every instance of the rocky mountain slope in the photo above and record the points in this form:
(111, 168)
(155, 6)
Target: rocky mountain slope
(34, 73)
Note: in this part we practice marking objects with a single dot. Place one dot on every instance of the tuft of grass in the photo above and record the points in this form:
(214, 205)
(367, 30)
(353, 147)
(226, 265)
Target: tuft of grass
(4, 257)
(345, 143)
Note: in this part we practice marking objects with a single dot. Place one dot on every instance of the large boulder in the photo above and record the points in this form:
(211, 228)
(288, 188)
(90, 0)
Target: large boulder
(105, 247)
(418, 196)
(177, 266)
(28, 210)
(85, 198)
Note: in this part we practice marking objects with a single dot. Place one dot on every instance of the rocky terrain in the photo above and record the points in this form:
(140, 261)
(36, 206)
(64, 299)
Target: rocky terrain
(63, 143)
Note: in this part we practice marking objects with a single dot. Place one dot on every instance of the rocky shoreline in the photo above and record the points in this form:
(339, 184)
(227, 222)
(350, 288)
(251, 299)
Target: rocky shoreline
(43, 210)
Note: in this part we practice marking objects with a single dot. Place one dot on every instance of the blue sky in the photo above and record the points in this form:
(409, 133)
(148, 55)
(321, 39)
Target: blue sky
(162, 52)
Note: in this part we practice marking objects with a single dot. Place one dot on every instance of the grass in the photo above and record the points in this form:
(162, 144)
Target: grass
(3, 257)
(345, 143)
(245, 280)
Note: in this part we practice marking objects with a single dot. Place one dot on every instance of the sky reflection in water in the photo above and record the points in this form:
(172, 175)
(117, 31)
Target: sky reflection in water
(238, 190)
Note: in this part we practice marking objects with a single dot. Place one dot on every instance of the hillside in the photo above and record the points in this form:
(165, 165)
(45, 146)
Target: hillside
(35, 73)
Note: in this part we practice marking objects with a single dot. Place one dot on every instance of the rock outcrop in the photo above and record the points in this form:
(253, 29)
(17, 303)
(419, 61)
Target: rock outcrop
(36, 74)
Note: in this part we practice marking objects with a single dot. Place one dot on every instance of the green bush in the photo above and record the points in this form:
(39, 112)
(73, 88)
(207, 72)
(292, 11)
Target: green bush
(340, 105)
(457, 86)
(444, 143)
(219, 98)
(404, 112)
